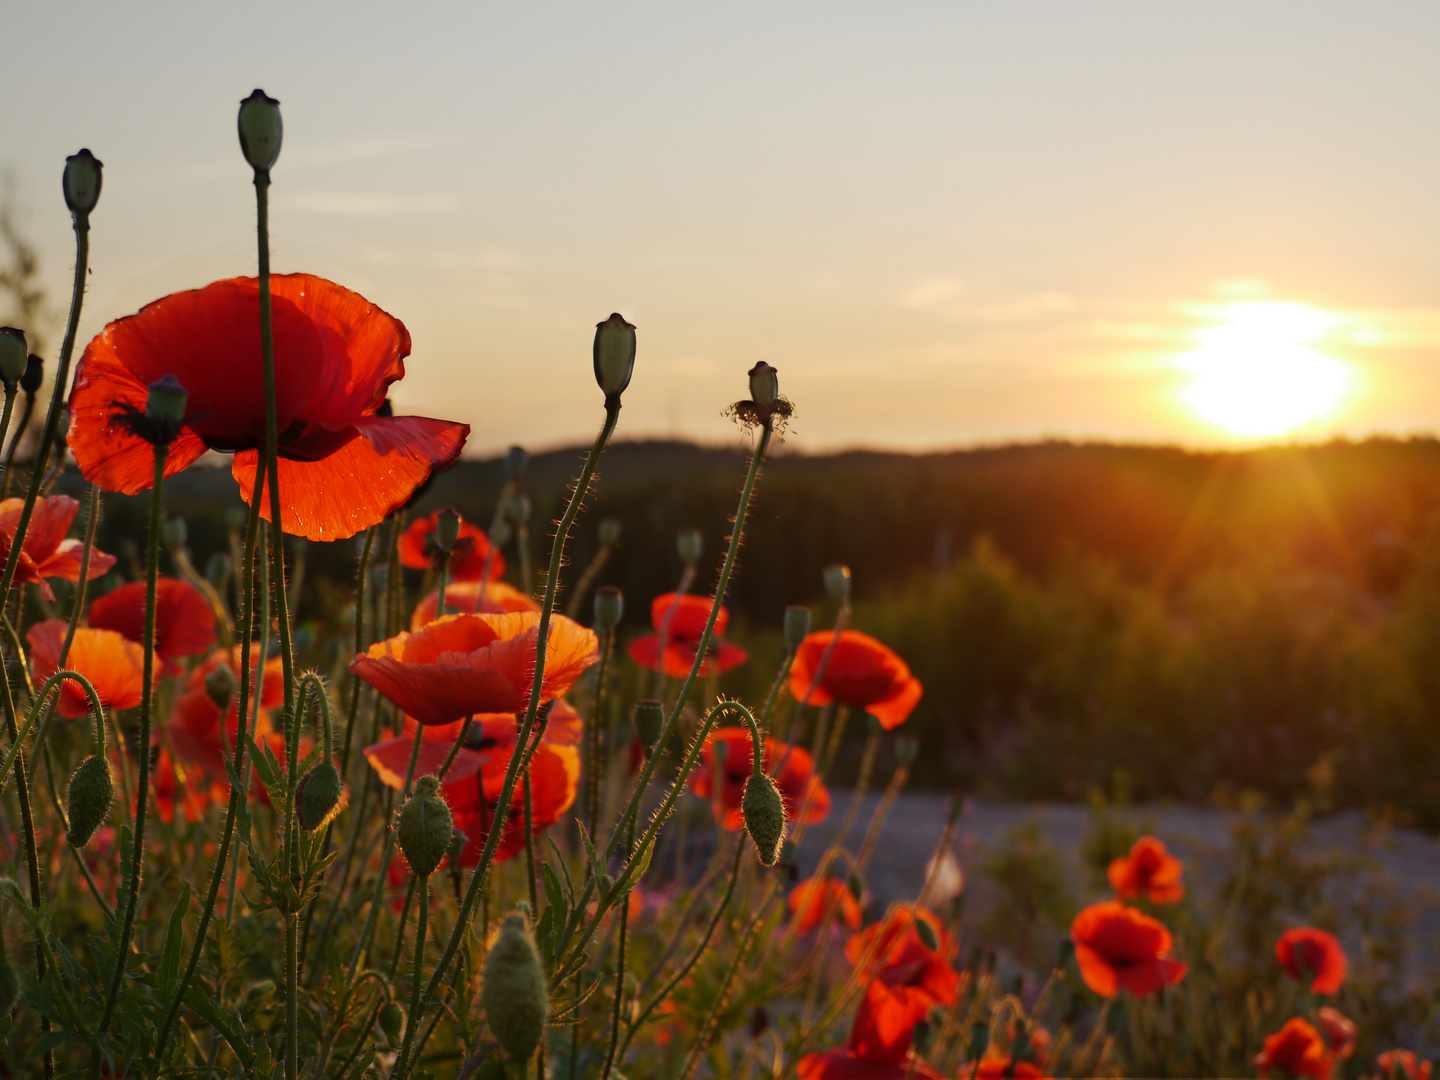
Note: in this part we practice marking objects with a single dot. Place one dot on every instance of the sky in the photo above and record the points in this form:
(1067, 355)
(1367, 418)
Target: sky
(944, 224)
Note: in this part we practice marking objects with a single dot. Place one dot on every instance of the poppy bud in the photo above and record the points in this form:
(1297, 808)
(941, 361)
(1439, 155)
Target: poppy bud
(500, 535)
(609, 532)
(906, 750)
(764, 813)
(174, 532)
(764, 385)
(609, 608)
(614, 356)
(447, 528)
(855, 885)
(14, 355)
(81, 182)
(797, 625)
(34, 374)
(218, 569)
(9, 987)
(837, 580)
(515, 459)
(980, 1040)
(392, 1022)
(319, 796)
(689, 544)
(926, 933)
(260, 130)
(649, 720)
(519, 508)
(87, 803)
(515, 995)
(220, 686)
(423, 827)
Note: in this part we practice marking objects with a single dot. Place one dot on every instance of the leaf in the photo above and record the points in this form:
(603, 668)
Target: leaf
(545, 935)
(597, 868)
(564, 869)
(267, 768)
(552, 891)
(169, 970)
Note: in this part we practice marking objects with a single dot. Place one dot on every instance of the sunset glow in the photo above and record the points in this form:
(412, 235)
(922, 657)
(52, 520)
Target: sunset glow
(1258, 374)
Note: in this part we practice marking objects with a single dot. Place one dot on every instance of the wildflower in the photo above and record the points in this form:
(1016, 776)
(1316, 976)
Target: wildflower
(473, 598)
(343, 468)
(688, 615)
(45, 553)
(114, 666)
(184, 620)
(1298, 1050)
(1119, 948)
(465, 664)
(813, 897)
(195, 721)
(1402, 1065)
(1339, 1032)
(845, 1064)
(418, 551)
(862, 673)
(901, 994)
(1309, 954)
(1150, 871)
(1003, 1067)
(797, 781)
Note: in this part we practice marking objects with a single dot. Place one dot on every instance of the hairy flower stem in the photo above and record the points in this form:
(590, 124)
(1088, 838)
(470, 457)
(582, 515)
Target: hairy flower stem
(142, 793)
(250, 695)
(412, 1022)
(623, 918)
(507, 790)
(592, 735)
(357, 683)
(528, 824)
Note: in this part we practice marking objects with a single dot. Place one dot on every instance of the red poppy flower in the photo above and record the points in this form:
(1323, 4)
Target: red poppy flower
(464, 665)
(467, 561)
(342, 467)
(184, 620)
(813, 897)
(465, 598)
(682, 640)
(885, 942)
(1307, 953)
(1002, 1067)
(846, 1065)
(900, 995)
(862, 673)
(1118, 948)
(1149, 870)
(45, 553)
(1298, 1049)
(797, 780)
(1396, 1064)
(195, 719)
(114, 666)
(1338, 1031)
(171, 791)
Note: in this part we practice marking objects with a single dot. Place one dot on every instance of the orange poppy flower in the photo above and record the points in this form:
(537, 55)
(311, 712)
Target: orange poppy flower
(195, 719)
(900, 995)
(862, 673)
(682, 640)
(810, 900)
(883, 943)
(1395, 1064)
(1298, 1050)
(1149, 870)
(467, 560)
(342, 467)
(45, 553)
(464, 597)
(114, 666)
(464, 665)
(846, 1065)
(1338, 1031)
(184, 620)
(797, 780)
(1307, 953)
(1118, 948)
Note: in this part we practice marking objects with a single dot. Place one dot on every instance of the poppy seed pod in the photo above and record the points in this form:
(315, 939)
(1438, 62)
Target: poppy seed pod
(447, 528)
(218, 569)
(319, 796)
(614, 356)
(837, 580)
(260, 130)
(81, 182)
(515, 459)
(519, 509)
(689, 544)
(649, 720)
(14, 355)
(423, 828)
(392, 1022)
(174, 532)
(220, 686)
(87, 803)
(797, 625)
(164, 411)
(764, 813)
(609, 608)
(34, 375)
(515, 995)
(609, 532)
(9, 987)
(764, 385)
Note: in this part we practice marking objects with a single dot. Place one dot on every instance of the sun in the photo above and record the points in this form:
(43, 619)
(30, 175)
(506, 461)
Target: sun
(1256, 374)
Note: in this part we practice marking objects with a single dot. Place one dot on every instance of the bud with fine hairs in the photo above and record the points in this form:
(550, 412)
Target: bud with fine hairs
(81, 183)
(609, 608)
(797, 625)
(764, 812)
(689, 544)
(260, 130)
(14, 356)
(392, 1022)
(649, 721)
(447, 528)
(837, 580)
(423, 827)
(87, 802)
(614, 356)
(515, 993)
(319, 797)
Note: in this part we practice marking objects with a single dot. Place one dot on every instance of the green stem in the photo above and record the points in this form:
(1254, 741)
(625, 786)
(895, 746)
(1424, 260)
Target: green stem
(37, 707)
(624, 922)
(413, 1021)
(142, 793)
(528, 824)
(248, 705)
(455, 749)
(357, 683)
(593, 742)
